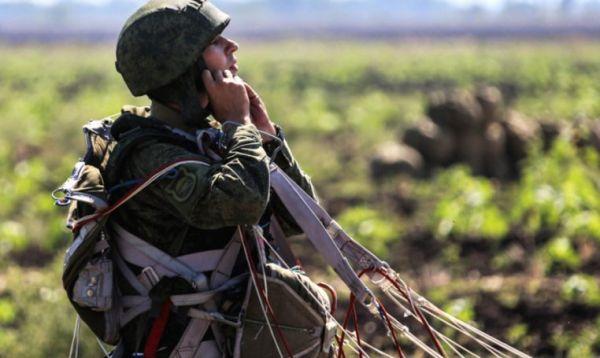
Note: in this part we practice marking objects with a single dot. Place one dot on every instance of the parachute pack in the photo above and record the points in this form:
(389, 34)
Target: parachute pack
(284, 313)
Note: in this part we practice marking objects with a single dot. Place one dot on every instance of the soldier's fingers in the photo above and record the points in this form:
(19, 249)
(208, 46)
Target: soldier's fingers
(207, 78)
(251, 92)
(218, 75)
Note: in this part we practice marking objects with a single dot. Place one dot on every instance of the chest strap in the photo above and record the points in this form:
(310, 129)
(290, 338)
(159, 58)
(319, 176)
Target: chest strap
(156, 263)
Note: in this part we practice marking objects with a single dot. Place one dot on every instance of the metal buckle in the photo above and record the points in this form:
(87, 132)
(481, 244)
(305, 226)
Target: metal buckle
(151, 275)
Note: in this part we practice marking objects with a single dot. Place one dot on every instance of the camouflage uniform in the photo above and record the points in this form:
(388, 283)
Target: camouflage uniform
(199, 207)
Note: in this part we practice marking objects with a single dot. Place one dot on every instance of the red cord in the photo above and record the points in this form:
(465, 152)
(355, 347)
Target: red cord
(391, 328)
(340, 350)
(158, 328)
(415, 310)
(263, 296)
(344, 325)
(333, 296)
(356, 330)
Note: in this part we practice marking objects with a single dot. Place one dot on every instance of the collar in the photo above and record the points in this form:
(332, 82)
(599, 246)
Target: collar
(170, 117)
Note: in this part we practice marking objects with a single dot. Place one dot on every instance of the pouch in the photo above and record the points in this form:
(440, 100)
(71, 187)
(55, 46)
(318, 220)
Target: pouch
(94, 285)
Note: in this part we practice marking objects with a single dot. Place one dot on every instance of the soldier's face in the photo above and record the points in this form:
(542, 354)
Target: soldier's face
(220, 55)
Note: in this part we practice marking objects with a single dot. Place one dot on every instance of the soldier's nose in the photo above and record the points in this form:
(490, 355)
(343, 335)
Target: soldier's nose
(232, 46)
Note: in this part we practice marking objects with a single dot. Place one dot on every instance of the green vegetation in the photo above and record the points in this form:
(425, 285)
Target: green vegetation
(534, 242)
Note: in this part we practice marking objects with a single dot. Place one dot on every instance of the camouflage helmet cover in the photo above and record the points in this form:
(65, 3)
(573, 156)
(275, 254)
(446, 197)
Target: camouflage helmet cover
(163, 38)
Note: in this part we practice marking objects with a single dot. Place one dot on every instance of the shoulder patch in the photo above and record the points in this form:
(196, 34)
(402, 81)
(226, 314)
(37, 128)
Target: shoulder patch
(182, 188)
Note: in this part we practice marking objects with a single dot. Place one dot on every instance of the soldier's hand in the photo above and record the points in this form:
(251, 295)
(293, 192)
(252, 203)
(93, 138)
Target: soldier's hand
(259, 115)
(228, 96)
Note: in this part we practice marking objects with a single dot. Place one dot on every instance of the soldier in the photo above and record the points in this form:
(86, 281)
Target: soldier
(173, 52)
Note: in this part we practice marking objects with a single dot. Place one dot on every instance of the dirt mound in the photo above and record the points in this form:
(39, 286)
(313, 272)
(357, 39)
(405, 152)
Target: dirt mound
(476, 129)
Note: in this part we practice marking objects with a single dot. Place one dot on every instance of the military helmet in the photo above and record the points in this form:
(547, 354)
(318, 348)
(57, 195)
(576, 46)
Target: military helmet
(163, 39)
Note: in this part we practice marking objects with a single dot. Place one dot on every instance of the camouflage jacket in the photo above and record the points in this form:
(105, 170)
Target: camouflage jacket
(199, 206)
(221, 196)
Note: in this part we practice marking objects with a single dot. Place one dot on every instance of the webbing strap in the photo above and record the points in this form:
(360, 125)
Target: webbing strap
(207, 349)
(281, 241)
(139, 252)
(290, 194)
(351, 249)
(222, 272)
(198, 298)
(133, 312)
(198, 326)
(129, 275)
(191, 340)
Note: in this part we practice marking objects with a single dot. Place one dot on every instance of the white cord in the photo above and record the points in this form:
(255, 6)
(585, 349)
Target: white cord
(258, 296)
(74, 349)
(275, 138)
(106, 354)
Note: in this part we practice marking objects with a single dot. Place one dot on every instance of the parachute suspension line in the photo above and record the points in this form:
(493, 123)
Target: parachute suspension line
(391, 329)
(406, 332)
(262, 300)
(104, 350)
(407, 296)
(396, 295)
(74, 350)
(478, 336)
(356, 349)
(333, 295)
(451, 343)
(383, 313)
(434, 310)
(464, 331)
(407, 293)
(356, 329)
(331, 291)
(345, 325)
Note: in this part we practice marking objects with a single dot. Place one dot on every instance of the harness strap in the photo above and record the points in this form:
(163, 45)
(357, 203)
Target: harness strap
(141, 253)
(222, 271)
(351, 249)
(282, 244)
(191, 340)
(220, 275)
(198, 326)
(199, 298)
(290, 194)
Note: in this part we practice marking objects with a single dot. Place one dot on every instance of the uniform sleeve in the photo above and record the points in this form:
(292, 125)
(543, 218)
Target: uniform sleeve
(232, 192)
(286, 161)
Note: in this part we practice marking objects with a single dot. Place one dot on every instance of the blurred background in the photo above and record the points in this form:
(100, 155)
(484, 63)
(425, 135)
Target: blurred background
(457, 139)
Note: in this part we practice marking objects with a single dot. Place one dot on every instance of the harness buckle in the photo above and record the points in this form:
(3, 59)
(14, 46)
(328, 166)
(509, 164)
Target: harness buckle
(150, 276)
(199, 282)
